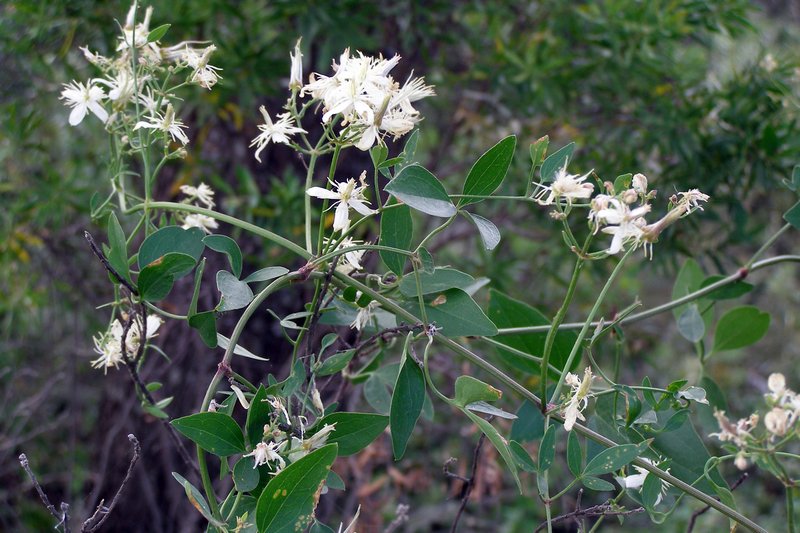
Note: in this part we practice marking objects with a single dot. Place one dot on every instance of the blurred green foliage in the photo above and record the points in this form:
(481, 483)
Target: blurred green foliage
(681, 90)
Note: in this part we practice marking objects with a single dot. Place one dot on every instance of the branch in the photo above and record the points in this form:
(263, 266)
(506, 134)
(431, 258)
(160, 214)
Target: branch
(101, 513)
(696, 514)
(470, 483)
(101, 256)
(63, 518)
(603, 509)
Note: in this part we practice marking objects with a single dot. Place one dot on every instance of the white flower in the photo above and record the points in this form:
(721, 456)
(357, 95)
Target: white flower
(122, 87)
(364, 316)
(768, 63)
(636, 481)
(777, 386)
(639, 184)
(82, 99)
(95, 59)
(204, 74)
(347, 194)
(568, 186)
(277, 132)
(296, 74)
(150, 102)
(778, 421)
(352, 259)
(316, 400)
(579, 398)
(203, 193)
(737, 433)
(166, 123)
(370, 102)
(741, 461)
(196, 220)
(136, 34)
(624, 223)
(302, 448)
(109, 344)
(264, 453)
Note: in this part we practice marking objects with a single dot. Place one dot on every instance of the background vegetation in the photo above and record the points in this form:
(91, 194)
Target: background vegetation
(691, 93)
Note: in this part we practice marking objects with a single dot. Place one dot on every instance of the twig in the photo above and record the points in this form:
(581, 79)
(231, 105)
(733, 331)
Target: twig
(384, 334)
(318, 304)
(603, 509)
(470, 483)
(101, 256)
(401, 517)
(103, 512)
(23, 460)
(696, 514)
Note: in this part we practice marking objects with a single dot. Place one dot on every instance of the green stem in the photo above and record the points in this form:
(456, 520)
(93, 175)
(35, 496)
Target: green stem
(435, 231)
(767, 244)
(733, 278)
(252, 228)
(330, 255)
(334, 162)
(559, 318)
(790, 509)
(208, 486)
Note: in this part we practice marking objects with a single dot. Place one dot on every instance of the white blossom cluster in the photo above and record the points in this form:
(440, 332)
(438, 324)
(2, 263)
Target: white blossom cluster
(202, 195)
(110, 347)
(619, 214)
(780, 422)
(126, 91)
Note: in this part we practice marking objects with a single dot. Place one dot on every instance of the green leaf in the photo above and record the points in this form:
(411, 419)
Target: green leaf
(426, 259)
(397, 229)
(238, 349)
(651, 490)
(287, 503)
(596, 484)
(547, 449)
(489, 409)
(172, 239)
(234, 294)
(507, 312)
(198, 279)
(334, 363)
(376, 392)
(216, 433)
(538, 150)
(792, 216)
(521, 456)
(409, 151)
(499, 443)
(407, 400)
(469, 389)
(257, 416)
(622, 183)
(689, 279)
(417, 187)
(691, 325)
(206, 325)
(456, 313)
(226, 245)
(556, 161)
(574, 454)
(490, 235)
(196, 499)
(728, 292)
(156, 279)
(740, 327)
(614, 458)
(245, 475)
(529, 424)
(440, 280)
(354, 431)
(118, 255)
(489, 170)
(378, 154)
(157, 33)
(266, 274)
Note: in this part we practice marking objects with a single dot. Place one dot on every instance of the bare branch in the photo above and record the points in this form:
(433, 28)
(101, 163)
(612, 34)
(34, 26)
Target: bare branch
(470, 483)
(101, 513)
(23, 460)
(101, 256)
(603, 509)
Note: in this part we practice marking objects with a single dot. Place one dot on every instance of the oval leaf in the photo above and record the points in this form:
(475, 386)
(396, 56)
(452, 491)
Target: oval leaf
(216, 433)
(171, 239)
(456, 313)
(489, 170)
(597, 484)
(547, 449)
(691, 325)
(335, 363)
(245, 475)
(287, 503)
(227, 246)
(740, 327)
(469, 389)
(235, 294)
(613, 459)
(499, 443)
(354, 431)
(490, 235)
(206, 325)
(397, 229)
(118, 254)
(156, 279)
(440, 280)
(557, 160)
(266, 274)
(407, 400)
(420, 189)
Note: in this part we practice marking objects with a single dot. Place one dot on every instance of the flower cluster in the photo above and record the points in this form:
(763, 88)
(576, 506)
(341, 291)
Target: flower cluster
(132, 85)
(579, 398)
(110, 346)
(779, 421)
(202, 195)
(279, 447)
(347, 194)
(367, 100)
